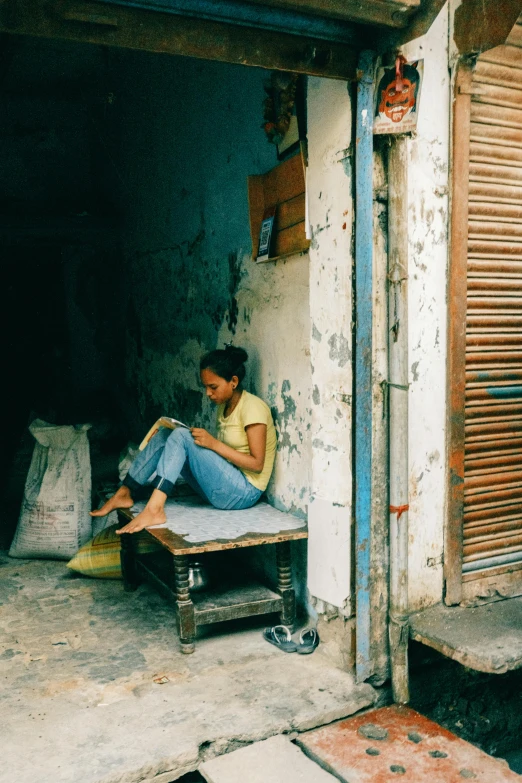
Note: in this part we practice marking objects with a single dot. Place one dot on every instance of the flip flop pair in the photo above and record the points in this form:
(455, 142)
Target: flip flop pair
(281, 636)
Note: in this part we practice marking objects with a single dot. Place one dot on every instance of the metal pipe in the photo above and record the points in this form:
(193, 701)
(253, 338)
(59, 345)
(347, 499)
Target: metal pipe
(258, 16)
(363, 356)
(398, 399)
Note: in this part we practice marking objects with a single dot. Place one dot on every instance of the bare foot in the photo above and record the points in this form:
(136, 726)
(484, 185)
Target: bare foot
(149, 517)
(122, 498)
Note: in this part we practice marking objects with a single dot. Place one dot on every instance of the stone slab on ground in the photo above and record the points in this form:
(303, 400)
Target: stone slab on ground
(485, 638)
(396, 742)
(275, 760)
(95, 690)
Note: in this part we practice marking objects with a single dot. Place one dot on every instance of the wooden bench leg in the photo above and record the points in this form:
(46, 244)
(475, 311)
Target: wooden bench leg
(186, 619)
(284, 582)
(129, 572)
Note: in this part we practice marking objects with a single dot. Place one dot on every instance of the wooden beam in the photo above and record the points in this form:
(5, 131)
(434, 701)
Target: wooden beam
(422, 21)
(480, 25)
(133, 28)
(457, 296)
(391, 13)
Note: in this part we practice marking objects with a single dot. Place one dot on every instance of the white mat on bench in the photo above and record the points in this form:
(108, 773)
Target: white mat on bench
(197, 521)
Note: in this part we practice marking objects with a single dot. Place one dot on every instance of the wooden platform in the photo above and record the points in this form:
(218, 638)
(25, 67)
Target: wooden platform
(194, 528)
(486, 638)
(189, 519)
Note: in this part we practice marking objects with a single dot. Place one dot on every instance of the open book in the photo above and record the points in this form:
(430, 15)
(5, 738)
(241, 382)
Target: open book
(163, 421)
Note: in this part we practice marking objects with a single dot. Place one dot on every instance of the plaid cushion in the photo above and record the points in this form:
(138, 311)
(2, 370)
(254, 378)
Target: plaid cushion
(100, 557)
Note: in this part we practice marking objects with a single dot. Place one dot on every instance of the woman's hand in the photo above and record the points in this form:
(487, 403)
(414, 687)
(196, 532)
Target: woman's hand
(203, 438)
(254, 462)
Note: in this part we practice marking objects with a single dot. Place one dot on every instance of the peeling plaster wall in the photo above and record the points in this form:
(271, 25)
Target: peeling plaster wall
(190, 134)
(274, 327)
(427, 313)
(331, 218)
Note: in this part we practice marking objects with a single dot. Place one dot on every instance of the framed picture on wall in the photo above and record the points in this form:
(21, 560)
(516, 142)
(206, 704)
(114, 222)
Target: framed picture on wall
(397, 97)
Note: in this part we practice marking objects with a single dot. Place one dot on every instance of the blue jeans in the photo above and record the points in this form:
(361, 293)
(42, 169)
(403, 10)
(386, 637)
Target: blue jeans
(173, 453)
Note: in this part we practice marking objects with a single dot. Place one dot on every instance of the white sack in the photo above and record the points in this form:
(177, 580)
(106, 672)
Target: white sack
(54, 518)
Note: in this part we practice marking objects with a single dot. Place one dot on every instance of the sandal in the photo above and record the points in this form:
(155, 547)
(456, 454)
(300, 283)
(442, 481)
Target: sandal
(308, 641)
(280, 636)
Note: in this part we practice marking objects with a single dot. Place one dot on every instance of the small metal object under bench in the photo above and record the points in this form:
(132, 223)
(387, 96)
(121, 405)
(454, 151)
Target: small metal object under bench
(193, 529)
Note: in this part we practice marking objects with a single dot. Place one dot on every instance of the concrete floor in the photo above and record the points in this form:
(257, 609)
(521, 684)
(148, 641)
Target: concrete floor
(94, 689)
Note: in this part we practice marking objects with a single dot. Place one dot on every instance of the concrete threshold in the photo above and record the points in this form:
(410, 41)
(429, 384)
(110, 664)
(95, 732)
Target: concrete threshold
(486, 638)
(95, 690)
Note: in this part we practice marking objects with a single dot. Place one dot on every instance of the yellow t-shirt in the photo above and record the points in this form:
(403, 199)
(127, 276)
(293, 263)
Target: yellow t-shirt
(231, 430)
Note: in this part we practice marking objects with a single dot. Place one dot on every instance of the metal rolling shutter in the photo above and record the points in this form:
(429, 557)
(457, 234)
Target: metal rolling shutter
(492, 530)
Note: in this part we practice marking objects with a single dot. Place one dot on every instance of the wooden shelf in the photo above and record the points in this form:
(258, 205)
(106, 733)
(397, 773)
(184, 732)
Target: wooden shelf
(284, 188)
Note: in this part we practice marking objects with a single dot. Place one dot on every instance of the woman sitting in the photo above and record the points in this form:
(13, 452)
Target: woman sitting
(230, 471)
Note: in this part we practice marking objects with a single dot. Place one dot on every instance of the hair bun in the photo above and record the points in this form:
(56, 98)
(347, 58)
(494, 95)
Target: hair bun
(239, 354)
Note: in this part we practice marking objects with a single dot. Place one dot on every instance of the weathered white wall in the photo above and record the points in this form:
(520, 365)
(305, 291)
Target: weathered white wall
(331, 218)
(329, 183)
(274, 327)
(427, 313)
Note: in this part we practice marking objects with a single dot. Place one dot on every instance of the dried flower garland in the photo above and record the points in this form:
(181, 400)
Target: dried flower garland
(279, 105)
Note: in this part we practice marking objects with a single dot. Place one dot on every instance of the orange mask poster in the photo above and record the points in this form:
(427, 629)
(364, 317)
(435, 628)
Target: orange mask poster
(397, 97)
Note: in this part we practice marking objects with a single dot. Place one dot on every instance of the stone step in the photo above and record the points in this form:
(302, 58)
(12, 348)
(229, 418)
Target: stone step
(275, 760)
(396, 743)
(486, 638)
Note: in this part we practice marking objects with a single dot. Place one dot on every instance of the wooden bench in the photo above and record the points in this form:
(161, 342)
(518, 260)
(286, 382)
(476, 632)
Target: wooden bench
(194, 528)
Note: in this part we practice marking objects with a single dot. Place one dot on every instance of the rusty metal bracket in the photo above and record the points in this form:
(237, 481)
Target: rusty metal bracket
(385, 389)
(401, 628)
(395, 281)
